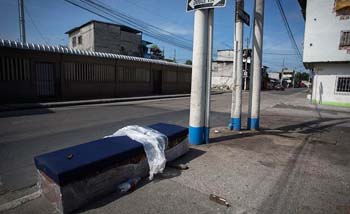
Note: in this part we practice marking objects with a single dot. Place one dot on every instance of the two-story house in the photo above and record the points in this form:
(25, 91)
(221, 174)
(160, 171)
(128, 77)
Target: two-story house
(106, 37)
(327, 49)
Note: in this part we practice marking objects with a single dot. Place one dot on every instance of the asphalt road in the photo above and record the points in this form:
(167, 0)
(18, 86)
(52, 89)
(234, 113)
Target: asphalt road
(24, 134)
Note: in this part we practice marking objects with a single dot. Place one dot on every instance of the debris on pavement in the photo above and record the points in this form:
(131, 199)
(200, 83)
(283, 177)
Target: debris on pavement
(216, 131)
(219, 200)
(178, 166)
(130, 184)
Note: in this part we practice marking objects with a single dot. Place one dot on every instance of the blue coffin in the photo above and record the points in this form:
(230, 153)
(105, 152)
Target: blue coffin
(76, 162)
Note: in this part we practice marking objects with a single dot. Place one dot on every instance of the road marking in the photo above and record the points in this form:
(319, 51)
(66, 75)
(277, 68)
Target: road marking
(17, 202)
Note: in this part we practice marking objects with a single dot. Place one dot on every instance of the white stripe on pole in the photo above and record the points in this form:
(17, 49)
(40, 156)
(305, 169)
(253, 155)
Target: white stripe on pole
(199, 70)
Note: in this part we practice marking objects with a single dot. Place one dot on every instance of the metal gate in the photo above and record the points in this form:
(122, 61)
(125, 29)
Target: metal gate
(45, 79)
(157, 81)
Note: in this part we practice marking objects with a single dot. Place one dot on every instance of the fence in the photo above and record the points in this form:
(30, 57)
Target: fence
(30, 72)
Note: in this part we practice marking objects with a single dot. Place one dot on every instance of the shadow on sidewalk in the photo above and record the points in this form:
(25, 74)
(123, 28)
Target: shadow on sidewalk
(310, 127)
(167, 174)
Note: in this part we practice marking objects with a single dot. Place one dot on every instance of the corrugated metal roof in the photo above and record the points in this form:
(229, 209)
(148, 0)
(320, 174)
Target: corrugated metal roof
(65, 50)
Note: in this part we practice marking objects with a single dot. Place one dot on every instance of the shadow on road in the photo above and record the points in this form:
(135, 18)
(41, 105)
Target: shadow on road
(26, 112)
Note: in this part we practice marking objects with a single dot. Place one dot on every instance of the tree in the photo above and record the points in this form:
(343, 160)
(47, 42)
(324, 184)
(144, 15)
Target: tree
(188, 62)
(156, 53)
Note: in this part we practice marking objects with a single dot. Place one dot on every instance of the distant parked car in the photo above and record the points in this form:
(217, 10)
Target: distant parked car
(279, 87)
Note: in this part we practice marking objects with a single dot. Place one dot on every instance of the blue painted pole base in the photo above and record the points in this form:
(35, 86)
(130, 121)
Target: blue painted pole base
(253, 123)
(235, 124)
(206, 134)
(196, 135)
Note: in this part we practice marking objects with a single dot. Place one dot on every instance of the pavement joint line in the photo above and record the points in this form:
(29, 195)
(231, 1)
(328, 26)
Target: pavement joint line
(19, 201)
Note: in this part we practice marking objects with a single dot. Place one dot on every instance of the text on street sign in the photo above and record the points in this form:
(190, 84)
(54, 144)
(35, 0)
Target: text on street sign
(204, 4)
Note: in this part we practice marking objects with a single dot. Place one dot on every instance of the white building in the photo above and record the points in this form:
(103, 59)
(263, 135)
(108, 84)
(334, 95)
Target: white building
(327, 49)
(222, 71)
(288, 77)
(275, 75)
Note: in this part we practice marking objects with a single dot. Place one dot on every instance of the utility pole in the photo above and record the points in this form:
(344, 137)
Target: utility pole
(22, 28)
(236, 109)
(174, 55)
(208, 78)
(255, 83)
(198, 82)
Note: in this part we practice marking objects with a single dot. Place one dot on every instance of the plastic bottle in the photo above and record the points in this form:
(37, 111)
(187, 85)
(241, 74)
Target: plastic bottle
(128, 184)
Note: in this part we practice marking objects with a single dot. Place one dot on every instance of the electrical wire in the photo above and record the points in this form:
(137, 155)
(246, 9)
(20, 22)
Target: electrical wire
(134, 21)
(289, 31)
(35, 26)
(105, 11)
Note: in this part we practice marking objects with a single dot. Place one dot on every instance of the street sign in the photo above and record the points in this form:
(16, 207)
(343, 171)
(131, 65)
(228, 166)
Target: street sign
(204, 4)
(242, 15)
(245, 73)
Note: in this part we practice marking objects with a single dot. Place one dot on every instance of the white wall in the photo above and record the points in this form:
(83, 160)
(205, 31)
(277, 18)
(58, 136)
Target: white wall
(87, 36)
(324, 83)
(222, 74)
(274, 75)
(322, 33)
(225, 55)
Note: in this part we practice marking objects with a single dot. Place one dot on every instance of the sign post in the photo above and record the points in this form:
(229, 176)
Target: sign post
(241, 18)
(201, 68)
(253, 122)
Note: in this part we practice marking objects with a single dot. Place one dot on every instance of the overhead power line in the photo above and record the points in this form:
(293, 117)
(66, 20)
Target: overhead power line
(36, 27)
(105, 11)
(289, 31)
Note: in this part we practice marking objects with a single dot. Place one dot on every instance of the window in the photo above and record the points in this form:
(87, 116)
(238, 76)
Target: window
(344, 39)
(343, 84)
(80, 40)
(74, 41)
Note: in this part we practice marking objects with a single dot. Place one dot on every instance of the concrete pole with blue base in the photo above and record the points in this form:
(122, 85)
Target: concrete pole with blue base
(253, 122)
(198, 82)
(208, 78)
(236, 110)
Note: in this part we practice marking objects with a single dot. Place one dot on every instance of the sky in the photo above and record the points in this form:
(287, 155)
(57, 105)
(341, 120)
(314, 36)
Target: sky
(48, 20)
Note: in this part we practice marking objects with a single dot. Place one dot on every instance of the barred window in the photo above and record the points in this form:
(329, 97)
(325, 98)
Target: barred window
(14, 68)
(80, 40)
(345, 39)
(132, 74)
(343, 84)
(74, 41)
(89, 72)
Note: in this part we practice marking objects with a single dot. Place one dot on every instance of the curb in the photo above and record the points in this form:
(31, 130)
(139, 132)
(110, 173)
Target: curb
(17, 202)
(14, 107)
